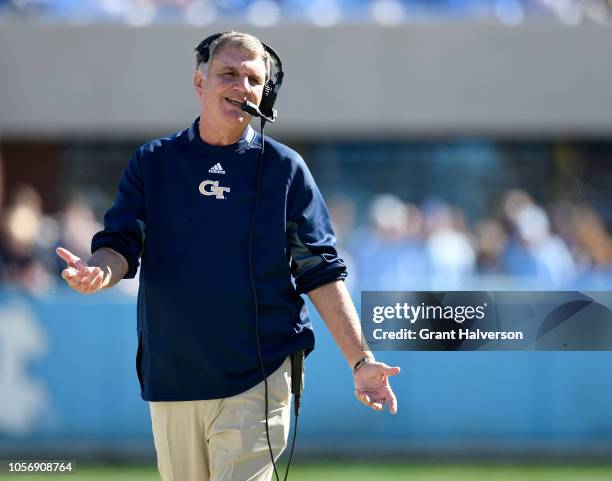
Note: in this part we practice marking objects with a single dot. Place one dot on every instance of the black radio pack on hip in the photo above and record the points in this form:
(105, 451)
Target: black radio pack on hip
(297, 379)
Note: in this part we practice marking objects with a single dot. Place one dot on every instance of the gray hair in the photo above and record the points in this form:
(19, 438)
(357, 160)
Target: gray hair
(242, 41)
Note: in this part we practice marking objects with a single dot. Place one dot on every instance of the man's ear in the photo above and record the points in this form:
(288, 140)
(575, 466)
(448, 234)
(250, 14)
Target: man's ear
(198, 82)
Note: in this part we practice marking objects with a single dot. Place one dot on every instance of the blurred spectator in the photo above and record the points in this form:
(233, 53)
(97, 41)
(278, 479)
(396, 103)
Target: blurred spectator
(77, 224)
(518, 261)
(492, 241)
(534, 250)
(593, 239)
(20, 248)
(342, 213)
(1, 180)
(390, 252)
(449, 249)
(553, 260)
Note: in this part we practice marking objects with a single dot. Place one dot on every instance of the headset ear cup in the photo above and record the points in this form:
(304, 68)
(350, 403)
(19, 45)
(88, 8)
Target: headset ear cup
(203, 47)
(267, 99)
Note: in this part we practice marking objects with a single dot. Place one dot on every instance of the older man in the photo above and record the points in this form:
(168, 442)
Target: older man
(185, 208)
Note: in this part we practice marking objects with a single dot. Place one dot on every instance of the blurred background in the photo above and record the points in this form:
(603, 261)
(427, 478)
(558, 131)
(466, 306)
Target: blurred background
(459, 144)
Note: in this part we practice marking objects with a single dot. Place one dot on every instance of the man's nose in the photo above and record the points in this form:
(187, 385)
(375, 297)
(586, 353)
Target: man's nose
(244, 84)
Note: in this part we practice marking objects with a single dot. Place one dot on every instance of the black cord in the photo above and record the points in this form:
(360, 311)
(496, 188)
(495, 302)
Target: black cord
(255, 301)
(292, 442)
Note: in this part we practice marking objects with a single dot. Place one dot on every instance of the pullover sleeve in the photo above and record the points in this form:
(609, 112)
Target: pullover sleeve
(124, 223)
(310, 236)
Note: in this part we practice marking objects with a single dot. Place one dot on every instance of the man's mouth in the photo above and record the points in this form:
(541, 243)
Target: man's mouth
(233, 101)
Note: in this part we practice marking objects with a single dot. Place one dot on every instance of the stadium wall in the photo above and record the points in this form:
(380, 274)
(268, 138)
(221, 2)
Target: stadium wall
(68, 387)
(350, 81)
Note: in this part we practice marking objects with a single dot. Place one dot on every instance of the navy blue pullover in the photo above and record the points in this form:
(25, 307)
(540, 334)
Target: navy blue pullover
(184, 208)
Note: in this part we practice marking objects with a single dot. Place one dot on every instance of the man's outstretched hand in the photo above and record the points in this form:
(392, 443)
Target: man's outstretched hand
(372, 385)
(81, 277)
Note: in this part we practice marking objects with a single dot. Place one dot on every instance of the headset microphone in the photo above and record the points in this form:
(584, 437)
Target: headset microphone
(252, 109)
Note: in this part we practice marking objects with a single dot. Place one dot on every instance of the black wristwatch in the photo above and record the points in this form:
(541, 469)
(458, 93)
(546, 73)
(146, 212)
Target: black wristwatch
(359, 364)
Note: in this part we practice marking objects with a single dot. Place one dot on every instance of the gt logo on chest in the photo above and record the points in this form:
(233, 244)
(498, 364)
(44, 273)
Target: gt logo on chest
(212, 187)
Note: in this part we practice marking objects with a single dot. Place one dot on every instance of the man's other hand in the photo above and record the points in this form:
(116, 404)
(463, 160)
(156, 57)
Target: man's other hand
(81, 277)
(372, 385)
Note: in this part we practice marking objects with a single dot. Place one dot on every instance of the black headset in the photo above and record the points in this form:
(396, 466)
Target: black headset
(271, 88)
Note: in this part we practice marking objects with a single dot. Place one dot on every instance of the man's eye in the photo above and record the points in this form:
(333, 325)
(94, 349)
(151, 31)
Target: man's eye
(229, 74)
(255, 81)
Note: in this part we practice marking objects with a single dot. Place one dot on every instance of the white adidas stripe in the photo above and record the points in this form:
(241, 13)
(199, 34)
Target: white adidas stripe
(216, 169)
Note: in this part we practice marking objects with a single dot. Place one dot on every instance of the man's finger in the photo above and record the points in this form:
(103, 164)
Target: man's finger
(367, 399)
(66, 255)
(390, 371)
(79, 280)
(70, 258)
(69, 273)
(392, 402)
(95, 284)
(376, 403)
(90, 274)
(362, 397)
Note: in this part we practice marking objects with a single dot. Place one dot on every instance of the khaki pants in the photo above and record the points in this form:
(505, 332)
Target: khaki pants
(223, 439)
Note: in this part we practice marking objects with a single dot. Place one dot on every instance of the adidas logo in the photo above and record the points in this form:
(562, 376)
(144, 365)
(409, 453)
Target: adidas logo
(216, 169)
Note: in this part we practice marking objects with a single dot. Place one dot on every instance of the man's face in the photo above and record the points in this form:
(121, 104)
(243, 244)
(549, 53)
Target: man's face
(233, 75)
